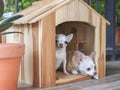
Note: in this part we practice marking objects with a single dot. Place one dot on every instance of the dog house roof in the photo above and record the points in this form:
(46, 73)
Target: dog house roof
(40, 9)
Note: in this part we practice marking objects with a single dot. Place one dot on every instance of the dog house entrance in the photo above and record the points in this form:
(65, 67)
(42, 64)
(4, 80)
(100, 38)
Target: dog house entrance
(83, 40)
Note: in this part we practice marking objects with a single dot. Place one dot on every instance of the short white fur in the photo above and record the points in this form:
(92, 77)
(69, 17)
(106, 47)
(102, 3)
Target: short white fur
(84, 64)
(61, 44)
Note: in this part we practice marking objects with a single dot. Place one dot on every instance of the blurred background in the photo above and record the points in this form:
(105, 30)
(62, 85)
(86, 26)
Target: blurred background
(110, 9)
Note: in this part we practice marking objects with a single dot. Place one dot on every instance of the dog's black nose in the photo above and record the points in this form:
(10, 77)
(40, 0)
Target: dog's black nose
(61, 45)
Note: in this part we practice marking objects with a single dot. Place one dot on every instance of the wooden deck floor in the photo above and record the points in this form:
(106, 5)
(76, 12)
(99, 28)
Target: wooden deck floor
(110, 82)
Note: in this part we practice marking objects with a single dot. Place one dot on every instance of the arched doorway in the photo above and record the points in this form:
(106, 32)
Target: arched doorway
(83, 40)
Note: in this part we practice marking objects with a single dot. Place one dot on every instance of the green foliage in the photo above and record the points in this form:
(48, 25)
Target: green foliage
(8, 20)
(22, 4)
(102, 11)
(118, 8)
(101, 6)
(3, 27)
(1, 8)
(25, 3)
(118, 14)
(10, 6)
(5, 24)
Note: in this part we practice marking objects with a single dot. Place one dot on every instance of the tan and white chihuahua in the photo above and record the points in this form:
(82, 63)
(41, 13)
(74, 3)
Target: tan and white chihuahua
(84, 64)
(61, 43)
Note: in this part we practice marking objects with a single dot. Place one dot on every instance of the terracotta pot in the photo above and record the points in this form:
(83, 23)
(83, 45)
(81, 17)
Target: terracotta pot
(10, 58)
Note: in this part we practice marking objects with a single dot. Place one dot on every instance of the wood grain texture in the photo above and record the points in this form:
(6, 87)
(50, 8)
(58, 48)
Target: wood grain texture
(110, 82)
(83, 36)
(97, 44)
(102, 62)
(48, 76)
(70, 16)
(63, 79)
(28, 56)
(91, 9)
(42, 12)
(36, 55)
(77, 10)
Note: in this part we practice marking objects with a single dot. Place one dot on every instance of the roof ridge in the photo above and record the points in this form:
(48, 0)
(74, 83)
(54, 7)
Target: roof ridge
(35, 13)
(41, 11)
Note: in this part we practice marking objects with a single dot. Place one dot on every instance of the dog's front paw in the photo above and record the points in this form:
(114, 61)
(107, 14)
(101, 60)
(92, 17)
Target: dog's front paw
(67, 73)
(74, 72)
(96, 77)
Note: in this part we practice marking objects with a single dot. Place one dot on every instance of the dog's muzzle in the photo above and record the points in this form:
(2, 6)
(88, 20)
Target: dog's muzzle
(60, 45)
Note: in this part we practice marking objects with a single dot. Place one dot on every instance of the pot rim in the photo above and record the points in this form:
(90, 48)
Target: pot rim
(11, 50)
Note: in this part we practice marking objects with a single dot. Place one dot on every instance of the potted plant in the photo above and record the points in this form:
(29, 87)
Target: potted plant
(10, 56)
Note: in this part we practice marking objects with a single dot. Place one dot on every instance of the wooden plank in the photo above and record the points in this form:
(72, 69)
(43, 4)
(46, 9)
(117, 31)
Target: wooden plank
(73, 12)
(42, 12)
(100, 47)
(76, 7)
(36, 55)
(62, 78)
(48, 76)
(112, 82)
(90, 35)
(102, 62)
(28, 56)
(21, 40)
(41, 3)
(26, 70)
(61, 15)
(94, 18)
(50, 9)
(49, 0)
(90, 17)
(40, 45)
(97, 44)
(90, 8)
(83, 13)
(32, 8)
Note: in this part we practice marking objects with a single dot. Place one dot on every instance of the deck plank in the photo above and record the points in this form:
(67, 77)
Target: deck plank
(110, 82)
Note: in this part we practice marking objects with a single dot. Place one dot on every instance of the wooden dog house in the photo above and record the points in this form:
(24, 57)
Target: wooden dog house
(66, 16)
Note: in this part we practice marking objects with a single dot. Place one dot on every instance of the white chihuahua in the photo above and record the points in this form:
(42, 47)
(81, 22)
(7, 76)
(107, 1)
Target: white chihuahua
(61, 43)
(84, 64)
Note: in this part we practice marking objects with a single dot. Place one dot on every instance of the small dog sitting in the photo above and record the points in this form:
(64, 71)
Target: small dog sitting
(61, 43)
(83, 64)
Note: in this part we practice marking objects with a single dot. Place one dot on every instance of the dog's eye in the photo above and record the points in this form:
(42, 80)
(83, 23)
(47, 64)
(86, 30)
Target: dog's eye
(66, 42)
(88, 69)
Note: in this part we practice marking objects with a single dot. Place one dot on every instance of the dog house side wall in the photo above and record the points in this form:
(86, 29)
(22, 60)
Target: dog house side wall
(38, 65)
(102, 49)
(82, 13)
(44, 52)
(48, 74)
(26, 70)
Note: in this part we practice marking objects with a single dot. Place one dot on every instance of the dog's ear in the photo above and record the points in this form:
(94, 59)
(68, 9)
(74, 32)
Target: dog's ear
(93, 54)
(69, 37)
(78, 54)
